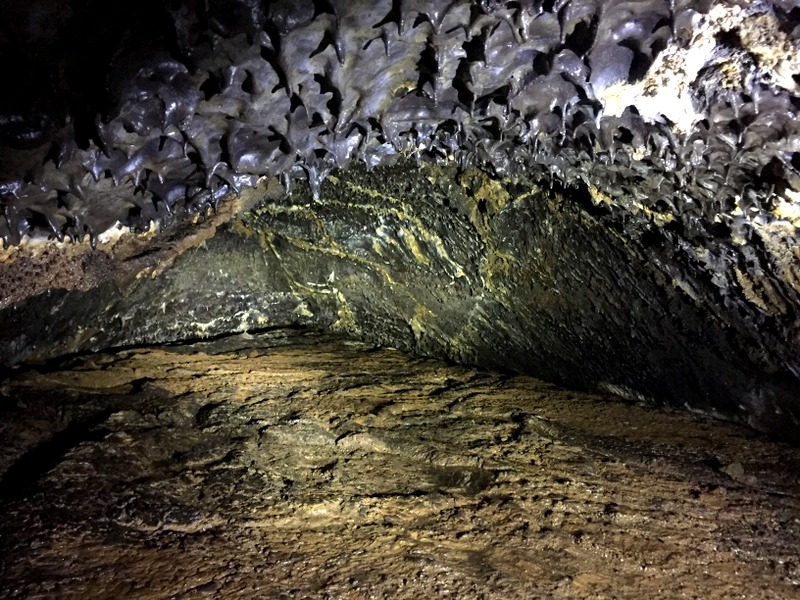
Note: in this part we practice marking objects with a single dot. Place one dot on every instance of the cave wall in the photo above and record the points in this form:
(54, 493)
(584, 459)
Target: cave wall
(600, 194)
(444, 263)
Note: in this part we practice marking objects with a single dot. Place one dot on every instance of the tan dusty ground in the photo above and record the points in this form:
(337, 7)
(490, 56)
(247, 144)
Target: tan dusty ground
(296, 465)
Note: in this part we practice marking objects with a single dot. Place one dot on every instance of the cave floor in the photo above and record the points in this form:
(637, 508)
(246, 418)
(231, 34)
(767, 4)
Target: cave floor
(295, 464)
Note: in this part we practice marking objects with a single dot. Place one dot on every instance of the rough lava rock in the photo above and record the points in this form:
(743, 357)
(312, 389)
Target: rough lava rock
(296, 464)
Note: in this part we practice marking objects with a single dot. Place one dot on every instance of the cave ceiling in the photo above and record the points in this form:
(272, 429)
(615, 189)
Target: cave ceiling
(604, 194)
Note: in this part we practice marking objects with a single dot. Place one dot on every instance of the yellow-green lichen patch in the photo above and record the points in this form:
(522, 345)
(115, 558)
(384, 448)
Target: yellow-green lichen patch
(487, 197)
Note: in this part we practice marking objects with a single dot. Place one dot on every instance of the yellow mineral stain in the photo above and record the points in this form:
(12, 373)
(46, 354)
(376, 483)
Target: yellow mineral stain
(413, 245)
(345, 321)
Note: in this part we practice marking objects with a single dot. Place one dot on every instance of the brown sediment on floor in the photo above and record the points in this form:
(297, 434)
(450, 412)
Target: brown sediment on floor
(299, 465)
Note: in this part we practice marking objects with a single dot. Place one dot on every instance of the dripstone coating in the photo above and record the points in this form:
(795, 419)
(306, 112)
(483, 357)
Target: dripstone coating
(204, 98)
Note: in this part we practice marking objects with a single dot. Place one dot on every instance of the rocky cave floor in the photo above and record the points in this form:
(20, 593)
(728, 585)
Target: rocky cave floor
(295, 464)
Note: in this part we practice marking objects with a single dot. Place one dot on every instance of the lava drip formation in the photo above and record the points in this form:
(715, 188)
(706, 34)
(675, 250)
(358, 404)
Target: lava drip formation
(681, 107)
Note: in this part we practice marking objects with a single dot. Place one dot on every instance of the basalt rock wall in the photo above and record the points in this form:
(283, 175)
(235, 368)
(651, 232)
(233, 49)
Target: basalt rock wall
(444, 263)
(600, 193)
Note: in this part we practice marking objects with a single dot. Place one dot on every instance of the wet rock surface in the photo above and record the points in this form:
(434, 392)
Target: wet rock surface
(678, 107)
(453, 264)
(293, 464)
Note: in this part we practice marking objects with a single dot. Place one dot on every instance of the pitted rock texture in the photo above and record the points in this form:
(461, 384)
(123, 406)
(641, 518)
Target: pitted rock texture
(300, 465)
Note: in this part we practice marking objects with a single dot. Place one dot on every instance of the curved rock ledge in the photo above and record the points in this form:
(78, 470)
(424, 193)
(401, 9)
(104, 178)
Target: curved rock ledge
(456, 265)
(600, 193)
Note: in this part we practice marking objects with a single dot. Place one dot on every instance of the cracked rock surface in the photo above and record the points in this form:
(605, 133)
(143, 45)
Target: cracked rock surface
(294, 464)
